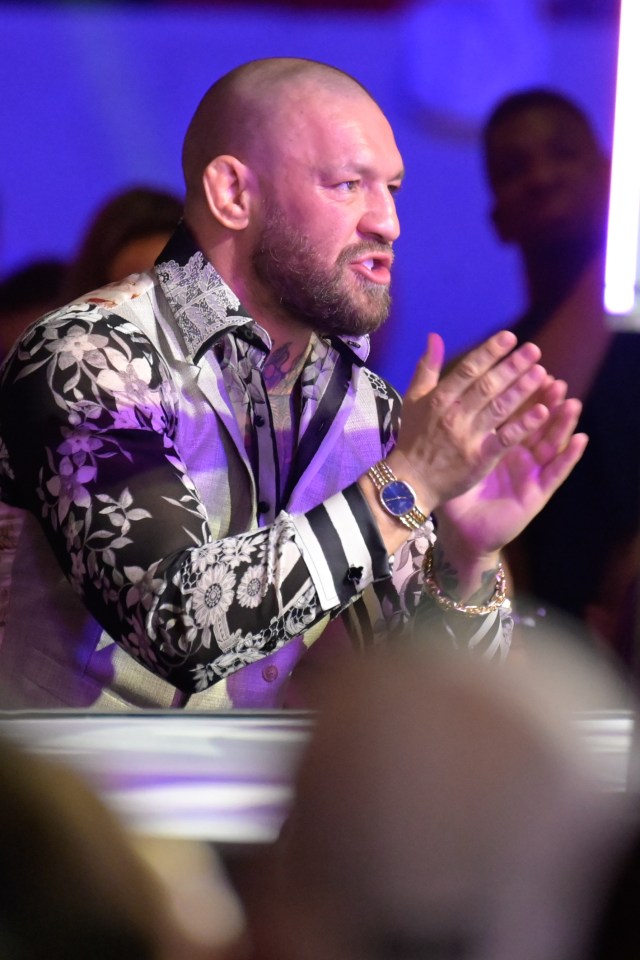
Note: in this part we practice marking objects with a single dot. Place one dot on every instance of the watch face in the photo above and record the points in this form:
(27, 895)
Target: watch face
(397, 497)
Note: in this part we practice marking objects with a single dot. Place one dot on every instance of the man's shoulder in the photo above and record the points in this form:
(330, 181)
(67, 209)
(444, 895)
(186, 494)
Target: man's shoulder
(112, 297)
(118, 318)
(110, 307)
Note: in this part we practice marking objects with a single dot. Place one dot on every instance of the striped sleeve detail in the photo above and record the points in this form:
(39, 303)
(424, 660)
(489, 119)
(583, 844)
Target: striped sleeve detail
(342, 547)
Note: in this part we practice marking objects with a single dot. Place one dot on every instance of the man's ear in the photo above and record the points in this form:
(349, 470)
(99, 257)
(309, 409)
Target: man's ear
(226, 187)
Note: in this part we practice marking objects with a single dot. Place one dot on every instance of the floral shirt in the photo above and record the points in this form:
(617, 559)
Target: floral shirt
(135, 426)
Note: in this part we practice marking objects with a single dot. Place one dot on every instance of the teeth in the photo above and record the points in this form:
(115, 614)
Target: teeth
(368, 264)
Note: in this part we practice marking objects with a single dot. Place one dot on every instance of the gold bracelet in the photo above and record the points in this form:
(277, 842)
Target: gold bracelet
(497, 598)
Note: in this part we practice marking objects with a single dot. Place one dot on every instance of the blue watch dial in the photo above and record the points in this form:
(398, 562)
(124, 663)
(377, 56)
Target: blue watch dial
(397, 497)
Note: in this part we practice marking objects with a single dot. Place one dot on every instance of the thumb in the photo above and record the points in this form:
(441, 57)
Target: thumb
(427, 372)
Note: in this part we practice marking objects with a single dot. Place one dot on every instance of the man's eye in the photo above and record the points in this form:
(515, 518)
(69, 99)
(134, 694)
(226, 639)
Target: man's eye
(348, 186)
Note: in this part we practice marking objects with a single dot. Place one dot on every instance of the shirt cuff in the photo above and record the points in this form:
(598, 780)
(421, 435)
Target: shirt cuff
(342, 547)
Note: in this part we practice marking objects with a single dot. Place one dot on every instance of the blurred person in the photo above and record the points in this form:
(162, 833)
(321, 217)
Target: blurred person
(214, 478)
(75, 884)
(26, 294)
(125, 236)
(549, 181)
(446, 810)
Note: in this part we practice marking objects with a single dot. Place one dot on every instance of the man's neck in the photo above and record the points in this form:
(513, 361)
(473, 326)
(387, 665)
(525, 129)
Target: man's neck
(283, 366)
(289, 337)
(290, 340)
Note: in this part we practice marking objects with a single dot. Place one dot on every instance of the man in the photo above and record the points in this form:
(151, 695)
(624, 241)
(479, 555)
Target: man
(549, 179)
(196, 444)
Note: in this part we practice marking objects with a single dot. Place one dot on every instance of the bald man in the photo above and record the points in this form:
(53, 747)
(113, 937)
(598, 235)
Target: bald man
(214, 480)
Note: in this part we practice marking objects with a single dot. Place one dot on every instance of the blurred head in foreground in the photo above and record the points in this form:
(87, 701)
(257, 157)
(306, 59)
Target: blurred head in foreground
(75, 886)
(447, 810)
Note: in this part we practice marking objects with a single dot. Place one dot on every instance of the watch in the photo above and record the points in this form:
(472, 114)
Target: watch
(397, 497)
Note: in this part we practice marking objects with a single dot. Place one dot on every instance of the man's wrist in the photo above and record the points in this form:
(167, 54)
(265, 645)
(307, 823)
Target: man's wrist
(448, 602)
(398, 499)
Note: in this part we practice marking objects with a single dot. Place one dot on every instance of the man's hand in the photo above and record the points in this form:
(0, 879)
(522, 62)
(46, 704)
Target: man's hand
(454, 432)
(484, 448)
(474, 526)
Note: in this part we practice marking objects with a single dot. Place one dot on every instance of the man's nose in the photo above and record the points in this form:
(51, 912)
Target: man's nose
(380, 218)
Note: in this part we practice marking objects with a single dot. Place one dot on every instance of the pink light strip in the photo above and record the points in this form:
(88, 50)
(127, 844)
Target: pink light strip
(624, 203)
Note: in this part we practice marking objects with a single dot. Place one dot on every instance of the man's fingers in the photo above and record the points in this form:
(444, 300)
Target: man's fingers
(552, 393)
(489, 397)
(485, 361)
(427, 371)
(556, 471)
(512, 402)
(515, 431)
(482, 358)
(556, 432)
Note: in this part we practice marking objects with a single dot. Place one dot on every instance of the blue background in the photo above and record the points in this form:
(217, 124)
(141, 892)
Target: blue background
(96, 97)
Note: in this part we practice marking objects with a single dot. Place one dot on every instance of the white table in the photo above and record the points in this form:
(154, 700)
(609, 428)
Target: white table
(222, 777)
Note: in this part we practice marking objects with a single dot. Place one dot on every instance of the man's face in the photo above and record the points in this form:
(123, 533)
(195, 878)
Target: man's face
(549, 179)
(323, 252)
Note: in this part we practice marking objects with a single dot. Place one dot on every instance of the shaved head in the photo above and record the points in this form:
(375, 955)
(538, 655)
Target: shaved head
(291, 170)
(242, 108)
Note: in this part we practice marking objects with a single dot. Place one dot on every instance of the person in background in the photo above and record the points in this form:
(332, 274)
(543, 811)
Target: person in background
(549, 180)
(214, 480)
(125, 236)
(26, 294)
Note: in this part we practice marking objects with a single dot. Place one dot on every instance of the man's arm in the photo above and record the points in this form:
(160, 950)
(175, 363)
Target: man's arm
(89, 422)
(502, 428)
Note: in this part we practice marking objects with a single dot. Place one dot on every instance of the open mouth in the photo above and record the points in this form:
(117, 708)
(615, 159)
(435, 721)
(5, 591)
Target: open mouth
(376, 268)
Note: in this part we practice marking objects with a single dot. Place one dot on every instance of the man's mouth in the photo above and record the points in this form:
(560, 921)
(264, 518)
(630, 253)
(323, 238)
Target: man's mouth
(376, 268)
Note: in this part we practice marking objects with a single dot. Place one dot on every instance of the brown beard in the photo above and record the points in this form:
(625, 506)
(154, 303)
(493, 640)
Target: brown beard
(309, 292)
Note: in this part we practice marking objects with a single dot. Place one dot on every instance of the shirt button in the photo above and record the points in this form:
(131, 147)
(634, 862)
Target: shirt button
(259, 420)
(354, 574)
(263, 506)
(270, 673)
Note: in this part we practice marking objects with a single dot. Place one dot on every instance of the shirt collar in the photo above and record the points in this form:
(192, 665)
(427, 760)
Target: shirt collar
(205, 307)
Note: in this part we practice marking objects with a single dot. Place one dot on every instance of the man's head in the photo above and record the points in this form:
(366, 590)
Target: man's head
(548, 175)
(291, 170)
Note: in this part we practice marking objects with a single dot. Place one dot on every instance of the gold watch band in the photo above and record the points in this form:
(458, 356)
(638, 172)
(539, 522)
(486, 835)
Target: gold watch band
(382, 475)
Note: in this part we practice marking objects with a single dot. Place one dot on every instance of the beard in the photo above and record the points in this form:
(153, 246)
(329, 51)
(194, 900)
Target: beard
(330, 300)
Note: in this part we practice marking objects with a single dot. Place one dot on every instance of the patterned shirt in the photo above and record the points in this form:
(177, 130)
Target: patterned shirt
(136, 426)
